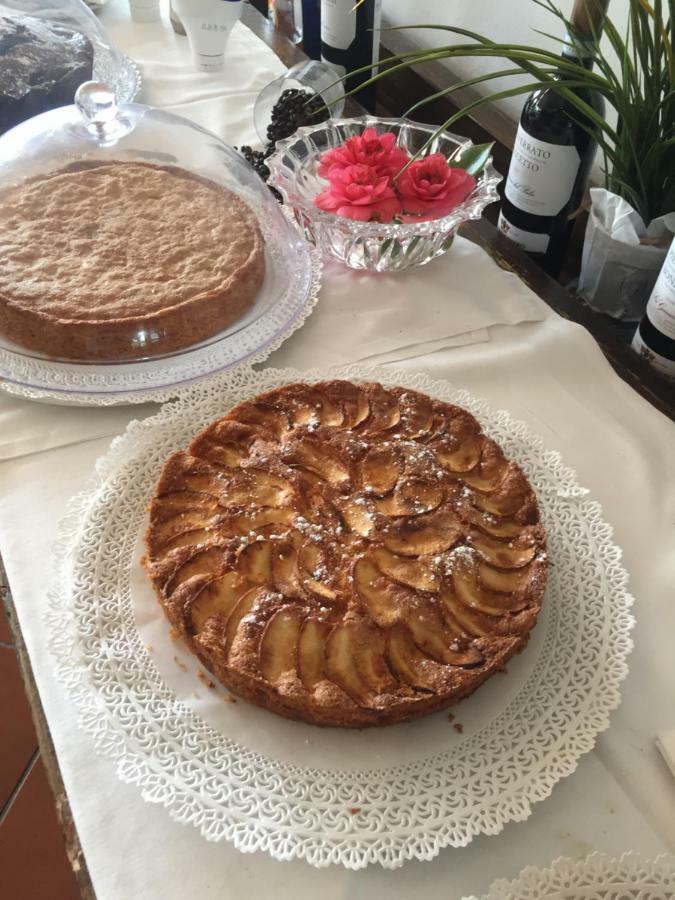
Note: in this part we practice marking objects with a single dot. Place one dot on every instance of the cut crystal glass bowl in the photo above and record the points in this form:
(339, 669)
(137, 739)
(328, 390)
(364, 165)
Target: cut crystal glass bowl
(372, 245)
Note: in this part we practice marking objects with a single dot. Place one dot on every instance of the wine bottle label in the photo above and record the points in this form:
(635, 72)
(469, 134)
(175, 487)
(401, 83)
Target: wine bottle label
(528, 240)
(658, 362)
(338, 23)
(661, 306)
(541, 175)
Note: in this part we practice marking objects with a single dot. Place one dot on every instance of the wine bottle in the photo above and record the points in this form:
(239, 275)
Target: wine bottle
(350, 39)
(286, 16)
(553, 153)
(311, 28)
(655, 336)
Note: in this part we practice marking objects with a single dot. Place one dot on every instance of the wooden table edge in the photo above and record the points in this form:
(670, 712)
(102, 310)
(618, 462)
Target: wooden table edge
(64, 813)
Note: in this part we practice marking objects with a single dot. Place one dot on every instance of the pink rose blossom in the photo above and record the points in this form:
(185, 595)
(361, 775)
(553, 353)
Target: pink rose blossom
(367, 149)
(360, 192)
(430, 187)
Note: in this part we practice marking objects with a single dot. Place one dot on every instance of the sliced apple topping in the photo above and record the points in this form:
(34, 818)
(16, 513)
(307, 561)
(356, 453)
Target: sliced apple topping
(278, 651)
(201, 483)
(384, 410)
(244, 607)
(417, 573)
(222, 455)
(457, 612)
(350, 399)
(192, 520)
(512, 495)
(285, 565)
(257, 488)
(301, 405)
(330, 413)
(461, 458)
(254, 562)
(203, 563)
(485, 483)
(490, 471)
(182, 501)
(264, 415)
(314, 456)
(381, 595)
(408, 663)
(411, 497)
(260, 518)
(219, 596)
(357, 516)
(503, 582)
(312, 651)
(430, 632)
(232, 434)
(472, 594)
(314, 571)
(380, 469)
(189, 539)
(311, 407)
(424, 535)
(417, 415)
(355, 661)
(504, 528)
(504, 556)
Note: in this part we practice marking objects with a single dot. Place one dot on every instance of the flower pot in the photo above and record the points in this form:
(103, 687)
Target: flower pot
(621, 257)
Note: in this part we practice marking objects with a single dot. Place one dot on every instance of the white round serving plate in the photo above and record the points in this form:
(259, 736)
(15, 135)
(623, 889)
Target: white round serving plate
(287, 297)
(597, 877)
(330, 796)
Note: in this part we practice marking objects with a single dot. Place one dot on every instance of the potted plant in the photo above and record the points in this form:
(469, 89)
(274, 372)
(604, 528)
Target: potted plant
(633, 216)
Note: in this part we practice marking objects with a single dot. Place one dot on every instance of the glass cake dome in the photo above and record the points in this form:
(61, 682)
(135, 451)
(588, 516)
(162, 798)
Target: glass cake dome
(130, 234)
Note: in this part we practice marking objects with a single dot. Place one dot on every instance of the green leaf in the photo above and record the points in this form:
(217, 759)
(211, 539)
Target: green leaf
(472, 159)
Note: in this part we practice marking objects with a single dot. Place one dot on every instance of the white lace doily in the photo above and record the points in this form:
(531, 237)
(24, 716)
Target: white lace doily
(287, 297)
(598, 877)
(376, 796)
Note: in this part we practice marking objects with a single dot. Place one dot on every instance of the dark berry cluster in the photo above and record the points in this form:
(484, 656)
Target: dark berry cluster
(255, 158)
(293, 109)
(290, 112)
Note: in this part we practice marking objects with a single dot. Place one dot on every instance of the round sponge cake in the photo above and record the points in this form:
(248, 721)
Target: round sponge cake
(348, 554)
(122, 260)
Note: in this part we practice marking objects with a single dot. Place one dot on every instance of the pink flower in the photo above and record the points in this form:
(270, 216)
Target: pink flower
(367, 149)
(360, 192)
(430, 187)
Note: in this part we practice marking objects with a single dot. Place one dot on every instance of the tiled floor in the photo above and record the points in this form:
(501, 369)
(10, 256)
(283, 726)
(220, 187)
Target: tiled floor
(33, 862)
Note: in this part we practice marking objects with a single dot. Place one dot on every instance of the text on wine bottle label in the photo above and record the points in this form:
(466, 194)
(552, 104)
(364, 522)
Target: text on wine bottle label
(542, 175)
(658, 362)
(338, 23)
(661, 305)
(528, 240)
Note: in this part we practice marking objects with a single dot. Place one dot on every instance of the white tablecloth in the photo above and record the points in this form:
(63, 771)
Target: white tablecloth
(547, 372)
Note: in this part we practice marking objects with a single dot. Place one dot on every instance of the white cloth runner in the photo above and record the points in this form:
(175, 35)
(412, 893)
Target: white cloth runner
(550, 374)
(666, 746)
(386, 317)
(553, 376)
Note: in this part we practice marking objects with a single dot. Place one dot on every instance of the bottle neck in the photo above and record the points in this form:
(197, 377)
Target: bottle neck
(578, 50)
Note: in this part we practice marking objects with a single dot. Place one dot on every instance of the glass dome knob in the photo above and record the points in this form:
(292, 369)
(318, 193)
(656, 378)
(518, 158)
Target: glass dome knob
(98, 107)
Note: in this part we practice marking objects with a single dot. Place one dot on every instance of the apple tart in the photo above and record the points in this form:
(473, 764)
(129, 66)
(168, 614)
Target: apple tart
(348, 554)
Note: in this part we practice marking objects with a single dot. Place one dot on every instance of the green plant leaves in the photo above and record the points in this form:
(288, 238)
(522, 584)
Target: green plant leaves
(639, 155)
(472, 159)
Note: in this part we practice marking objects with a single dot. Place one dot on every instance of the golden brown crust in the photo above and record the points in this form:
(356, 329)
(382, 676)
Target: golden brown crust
(348, 555)
(122, 260)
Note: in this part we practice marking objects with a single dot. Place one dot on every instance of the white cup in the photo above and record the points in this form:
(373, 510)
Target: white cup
(144, 10)
(208, 25)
